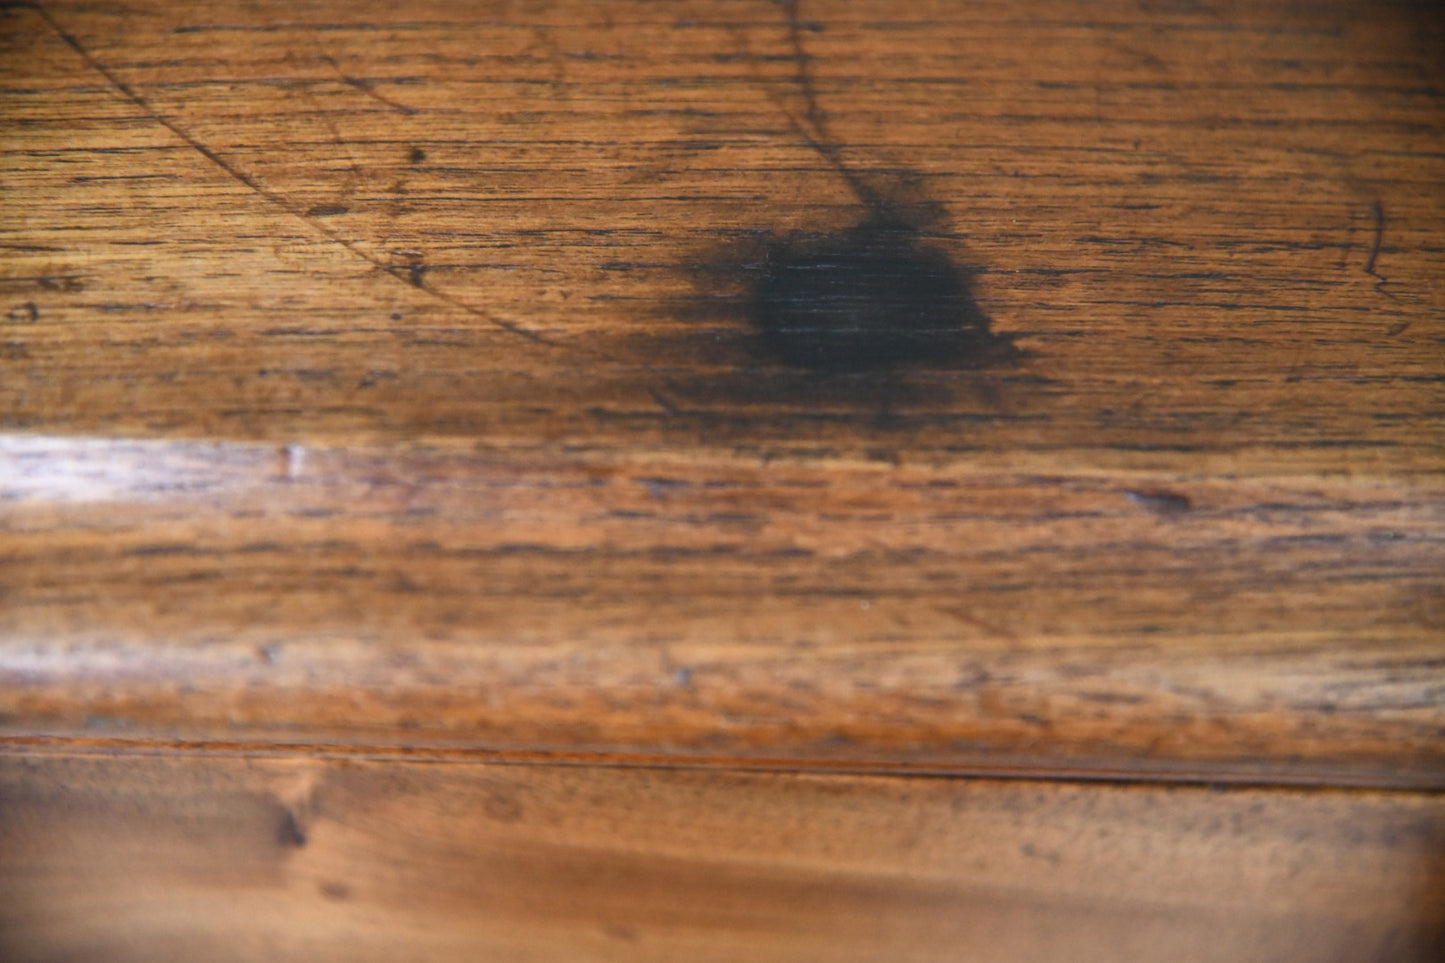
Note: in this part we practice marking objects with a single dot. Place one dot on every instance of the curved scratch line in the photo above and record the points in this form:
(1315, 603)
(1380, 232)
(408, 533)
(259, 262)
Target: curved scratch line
(401, 273)
(354, 181)
(816, 132)
(364, 86)
(1379, 213)
(812, 127)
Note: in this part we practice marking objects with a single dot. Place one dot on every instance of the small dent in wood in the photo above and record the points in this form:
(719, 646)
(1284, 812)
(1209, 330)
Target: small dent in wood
(106, 722)
(68, 284)
(503, 805)
(621, 931)
(293, 462)
(289, 832)
(410, 265)
(1160, 501)
(28, 311)
(334, 891)
(1047, 855)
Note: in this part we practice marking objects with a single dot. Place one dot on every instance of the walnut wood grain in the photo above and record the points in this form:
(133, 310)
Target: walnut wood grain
(183, 858)
(375, 377)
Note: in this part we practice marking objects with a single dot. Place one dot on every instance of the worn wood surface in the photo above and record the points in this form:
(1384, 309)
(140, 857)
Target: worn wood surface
(397, 401)
(166, 858)
(379, 376)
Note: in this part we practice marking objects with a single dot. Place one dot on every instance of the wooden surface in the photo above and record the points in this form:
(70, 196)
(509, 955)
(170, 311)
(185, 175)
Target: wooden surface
(155, 859)
(381, 374)
(402, 429)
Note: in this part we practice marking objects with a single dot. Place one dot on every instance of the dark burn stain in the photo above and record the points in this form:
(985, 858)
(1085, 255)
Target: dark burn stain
(869, 323)
(871, 298)
(867, 312)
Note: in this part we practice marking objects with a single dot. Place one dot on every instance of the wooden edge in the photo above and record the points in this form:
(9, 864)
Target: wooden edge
(1233, 774)
(1203, 675)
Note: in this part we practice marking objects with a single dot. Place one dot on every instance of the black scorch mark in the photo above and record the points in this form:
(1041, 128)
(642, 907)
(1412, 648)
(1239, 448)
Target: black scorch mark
(871, 298)
(879, 296)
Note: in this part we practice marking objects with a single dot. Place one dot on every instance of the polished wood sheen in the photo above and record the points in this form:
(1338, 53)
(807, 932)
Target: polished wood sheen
(407, 398)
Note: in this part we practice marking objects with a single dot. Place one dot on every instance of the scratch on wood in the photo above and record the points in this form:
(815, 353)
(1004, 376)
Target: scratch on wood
(803, 77)
(1379, 212)
(663, 403)
(366, 87)
(815, 131)
(964, 615)
(353, 180)
(241, 177)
